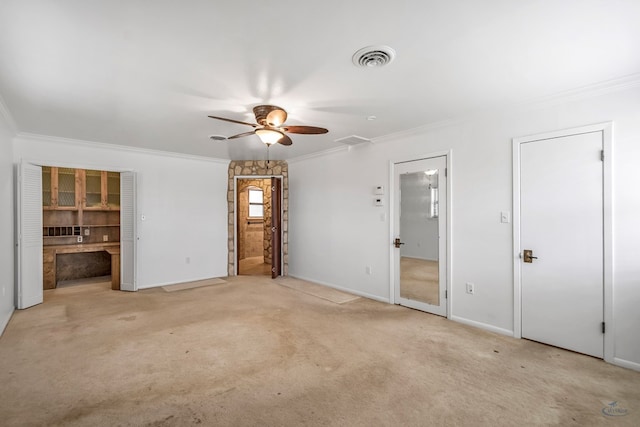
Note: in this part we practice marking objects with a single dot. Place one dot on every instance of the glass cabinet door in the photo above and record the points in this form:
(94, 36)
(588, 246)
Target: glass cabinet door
(46, 186)
(113, 189)
(93, 189)
(66, 187)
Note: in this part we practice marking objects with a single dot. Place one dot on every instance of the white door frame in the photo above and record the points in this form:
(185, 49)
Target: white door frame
(235, 213)
(98, 166)
(607, 184)
(392, 270)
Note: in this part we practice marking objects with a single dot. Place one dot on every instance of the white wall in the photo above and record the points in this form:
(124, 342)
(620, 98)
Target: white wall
(184, 200)
(6, 223)
(335, 231)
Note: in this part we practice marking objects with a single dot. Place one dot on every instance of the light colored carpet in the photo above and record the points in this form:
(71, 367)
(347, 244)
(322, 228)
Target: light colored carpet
(316, 290)
(252, 352)
(419, 280)
(194, 284)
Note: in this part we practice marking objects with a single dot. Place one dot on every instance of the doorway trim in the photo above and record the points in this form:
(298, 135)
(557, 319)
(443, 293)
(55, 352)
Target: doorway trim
(235, 210)
(82, 165)
(447, 154)
(607, 193)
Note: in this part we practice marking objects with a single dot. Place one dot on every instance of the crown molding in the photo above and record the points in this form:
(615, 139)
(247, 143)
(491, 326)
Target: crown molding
(8, 118)
(564, 97)
(319, 154)
(102, 145)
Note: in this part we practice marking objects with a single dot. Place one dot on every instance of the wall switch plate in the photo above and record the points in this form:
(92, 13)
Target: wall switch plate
(87, 231)
(378, 190)
(470, 288)
(505, 217)
(105, 237)
(143, 217)
(378, 201)
(368, 269)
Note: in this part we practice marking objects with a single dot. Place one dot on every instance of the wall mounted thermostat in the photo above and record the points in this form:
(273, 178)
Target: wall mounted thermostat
(378, 201)
(378, 190)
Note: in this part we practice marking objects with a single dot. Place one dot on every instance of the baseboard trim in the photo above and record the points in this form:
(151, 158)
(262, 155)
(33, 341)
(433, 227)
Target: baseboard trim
(484, 326)
(4, 322)
(625, 364)
(343, 289)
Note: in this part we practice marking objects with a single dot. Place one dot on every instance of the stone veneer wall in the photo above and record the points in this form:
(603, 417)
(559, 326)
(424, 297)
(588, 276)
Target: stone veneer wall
(257, 168)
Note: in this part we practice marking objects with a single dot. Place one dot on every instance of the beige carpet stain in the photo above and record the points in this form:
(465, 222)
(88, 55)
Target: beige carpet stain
(253, 352)
(316, 290)
(194, 284)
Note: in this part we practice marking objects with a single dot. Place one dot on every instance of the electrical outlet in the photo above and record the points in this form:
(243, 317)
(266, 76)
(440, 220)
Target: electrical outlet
(470, 288)
(79, 239)
(368, 269)
(105, 237)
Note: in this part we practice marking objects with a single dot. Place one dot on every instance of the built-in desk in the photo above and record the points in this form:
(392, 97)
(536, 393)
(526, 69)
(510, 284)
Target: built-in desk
(50, 253)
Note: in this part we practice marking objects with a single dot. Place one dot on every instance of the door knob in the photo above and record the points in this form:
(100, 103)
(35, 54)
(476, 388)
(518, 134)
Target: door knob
(527, 256)
(397, 242)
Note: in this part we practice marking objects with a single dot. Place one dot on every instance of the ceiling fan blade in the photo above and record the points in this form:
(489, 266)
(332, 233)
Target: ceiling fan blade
(234, 121)
(309, 130)
(285, 140)
(240, 135)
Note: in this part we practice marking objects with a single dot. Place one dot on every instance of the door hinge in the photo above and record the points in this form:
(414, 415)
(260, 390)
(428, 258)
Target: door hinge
(603, 328)
(445, 294)
(445, 171)
(602, 155)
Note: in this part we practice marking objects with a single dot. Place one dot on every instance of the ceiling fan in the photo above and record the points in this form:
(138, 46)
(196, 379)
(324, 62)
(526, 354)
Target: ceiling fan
(270, 127)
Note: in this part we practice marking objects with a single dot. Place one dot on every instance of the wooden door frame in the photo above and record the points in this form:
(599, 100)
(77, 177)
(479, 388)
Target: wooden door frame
(607, 192)
(448, 154)
(235, 210)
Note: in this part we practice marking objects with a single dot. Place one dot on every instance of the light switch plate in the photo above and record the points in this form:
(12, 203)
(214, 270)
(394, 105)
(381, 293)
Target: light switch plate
(378, 201)
(378, 190)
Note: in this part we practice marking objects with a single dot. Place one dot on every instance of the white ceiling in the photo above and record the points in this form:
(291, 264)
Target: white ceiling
(147, 73)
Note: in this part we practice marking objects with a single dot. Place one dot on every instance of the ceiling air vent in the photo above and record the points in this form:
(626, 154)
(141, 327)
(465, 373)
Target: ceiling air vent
(217, 137)
(352, 140)
(373, 56)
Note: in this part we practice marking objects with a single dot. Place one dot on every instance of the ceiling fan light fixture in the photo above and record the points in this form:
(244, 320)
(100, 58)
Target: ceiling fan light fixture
(269, 136)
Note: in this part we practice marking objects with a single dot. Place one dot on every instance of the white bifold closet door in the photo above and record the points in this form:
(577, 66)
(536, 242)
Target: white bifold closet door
(128, 236)
(29, 244)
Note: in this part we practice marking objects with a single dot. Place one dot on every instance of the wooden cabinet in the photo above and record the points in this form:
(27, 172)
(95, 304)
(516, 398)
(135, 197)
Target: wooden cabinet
(101, 190)
(72, 189)
(61, 188)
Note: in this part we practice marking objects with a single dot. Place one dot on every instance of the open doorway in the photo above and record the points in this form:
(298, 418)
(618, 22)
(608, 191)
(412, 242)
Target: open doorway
(258, 226)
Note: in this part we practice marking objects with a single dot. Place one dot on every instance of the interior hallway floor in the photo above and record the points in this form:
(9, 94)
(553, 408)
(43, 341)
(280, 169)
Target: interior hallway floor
(254, 266)
(252, 352)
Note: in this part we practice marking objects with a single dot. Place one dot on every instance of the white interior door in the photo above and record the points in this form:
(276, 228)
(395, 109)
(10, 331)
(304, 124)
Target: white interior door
(420, 224)
(561, 222)
(29, 251)
(128, 237)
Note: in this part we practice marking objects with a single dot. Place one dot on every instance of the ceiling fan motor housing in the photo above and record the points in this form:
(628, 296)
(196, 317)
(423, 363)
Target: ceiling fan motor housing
(269, 115)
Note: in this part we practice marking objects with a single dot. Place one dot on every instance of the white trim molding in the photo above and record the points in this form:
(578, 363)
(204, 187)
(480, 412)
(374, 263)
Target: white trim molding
(105, 146)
